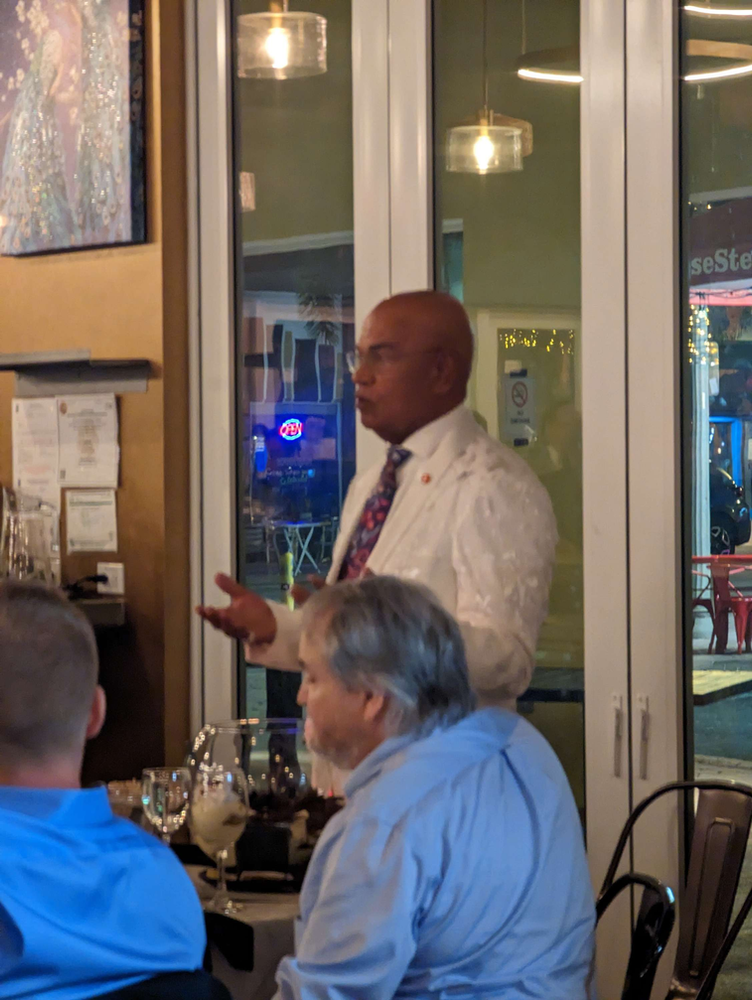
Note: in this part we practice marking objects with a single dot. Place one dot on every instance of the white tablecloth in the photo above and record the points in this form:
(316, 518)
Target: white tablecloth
(272, 917)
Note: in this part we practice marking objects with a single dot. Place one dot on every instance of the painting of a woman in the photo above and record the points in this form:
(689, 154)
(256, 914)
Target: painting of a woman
(34, 202)
(71, 124)
(103, 153)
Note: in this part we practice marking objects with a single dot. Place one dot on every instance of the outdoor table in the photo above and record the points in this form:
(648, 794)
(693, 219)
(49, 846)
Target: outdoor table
(298, 535)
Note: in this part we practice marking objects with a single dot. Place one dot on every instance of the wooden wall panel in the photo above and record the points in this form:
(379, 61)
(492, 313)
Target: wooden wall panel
(130, 302)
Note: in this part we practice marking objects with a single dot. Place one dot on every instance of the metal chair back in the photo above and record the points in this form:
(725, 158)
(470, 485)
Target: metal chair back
(652, 929)
(721, 830)
(719, 843)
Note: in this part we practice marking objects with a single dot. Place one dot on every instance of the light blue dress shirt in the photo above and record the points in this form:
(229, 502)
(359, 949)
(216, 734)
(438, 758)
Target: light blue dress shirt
(88, 901)
(455, 870)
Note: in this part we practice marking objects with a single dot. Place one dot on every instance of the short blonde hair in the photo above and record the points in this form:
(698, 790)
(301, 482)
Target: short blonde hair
(48, 672)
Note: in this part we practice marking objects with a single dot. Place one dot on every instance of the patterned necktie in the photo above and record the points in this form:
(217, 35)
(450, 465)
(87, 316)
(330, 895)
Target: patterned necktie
(373, 517)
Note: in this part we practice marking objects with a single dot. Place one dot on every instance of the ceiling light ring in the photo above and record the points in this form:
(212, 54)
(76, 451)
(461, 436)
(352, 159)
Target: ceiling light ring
(707, 10)
(710, 48)
(550, 65)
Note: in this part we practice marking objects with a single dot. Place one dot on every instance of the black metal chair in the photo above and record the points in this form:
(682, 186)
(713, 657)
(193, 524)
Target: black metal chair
(719, 842)
(198, 985)
(652, 929)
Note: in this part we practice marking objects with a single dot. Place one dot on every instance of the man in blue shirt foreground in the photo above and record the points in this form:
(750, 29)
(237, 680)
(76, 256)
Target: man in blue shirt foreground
(88, 902)
(457, 866)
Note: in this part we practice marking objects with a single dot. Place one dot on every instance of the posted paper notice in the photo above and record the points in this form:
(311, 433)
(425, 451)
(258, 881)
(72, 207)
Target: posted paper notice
(91, 521)
(35, 449)
(88, 430)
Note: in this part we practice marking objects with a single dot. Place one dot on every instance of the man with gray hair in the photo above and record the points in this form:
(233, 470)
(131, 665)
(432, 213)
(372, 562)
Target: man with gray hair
(456, 867)
(89, 903)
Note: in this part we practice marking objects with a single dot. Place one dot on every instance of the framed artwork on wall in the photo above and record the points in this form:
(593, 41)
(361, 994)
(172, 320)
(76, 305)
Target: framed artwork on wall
(72, 171)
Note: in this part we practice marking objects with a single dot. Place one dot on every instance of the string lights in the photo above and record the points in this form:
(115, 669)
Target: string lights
(550, 340)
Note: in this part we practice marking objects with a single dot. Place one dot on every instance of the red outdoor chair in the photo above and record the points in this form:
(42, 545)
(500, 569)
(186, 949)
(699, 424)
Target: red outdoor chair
(727, 597)
(704, 599)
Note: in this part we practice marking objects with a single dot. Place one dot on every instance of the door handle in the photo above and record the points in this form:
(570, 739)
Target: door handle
(617, 707)
(643, 708)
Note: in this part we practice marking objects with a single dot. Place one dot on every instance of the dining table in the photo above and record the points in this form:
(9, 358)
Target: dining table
(246, 948)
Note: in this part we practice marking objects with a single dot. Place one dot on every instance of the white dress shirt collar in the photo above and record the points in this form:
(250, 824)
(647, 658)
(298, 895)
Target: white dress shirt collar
(424, 442)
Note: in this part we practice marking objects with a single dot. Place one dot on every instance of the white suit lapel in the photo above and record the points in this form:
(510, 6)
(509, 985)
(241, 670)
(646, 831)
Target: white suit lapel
(422, 491)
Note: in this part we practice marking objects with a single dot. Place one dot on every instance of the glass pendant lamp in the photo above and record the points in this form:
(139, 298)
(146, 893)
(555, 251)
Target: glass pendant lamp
(488, 143)
(281, 44)
(484, 148)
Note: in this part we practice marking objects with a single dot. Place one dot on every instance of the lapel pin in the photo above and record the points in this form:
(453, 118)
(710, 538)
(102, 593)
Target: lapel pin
(425, 478)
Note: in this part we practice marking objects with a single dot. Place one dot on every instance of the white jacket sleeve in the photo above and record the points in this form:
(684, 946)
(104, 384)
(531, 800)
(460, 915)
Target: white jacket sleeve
(503, 555)
(282, 654)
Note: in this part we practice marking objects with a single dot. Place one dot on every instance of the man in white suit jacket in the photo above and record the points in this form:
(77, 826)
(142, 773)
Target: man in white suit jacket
(469, 518)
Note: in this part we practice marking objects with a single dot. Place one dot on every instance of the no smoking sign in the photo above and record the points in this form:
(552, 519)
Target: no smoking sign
(519, 408)
(519, 395)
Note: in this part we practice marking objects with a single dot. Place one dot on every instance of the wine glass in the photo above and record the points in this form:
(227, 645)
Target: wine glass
(288, 812)
(164, 794)
(219, 813)
(271, 752)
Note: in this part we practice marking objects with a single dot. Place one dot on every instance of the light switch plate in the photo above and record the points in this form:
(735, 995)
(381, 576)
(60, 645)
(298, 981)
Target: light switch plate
(115, 572)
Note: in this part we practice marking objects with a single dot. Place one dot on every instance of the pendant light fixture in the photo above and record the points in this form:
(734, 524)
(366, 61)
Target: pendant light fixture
(739, 53)
(488, 143)
(561, 65)
(708, 10)
(280, 44)
(551, 65)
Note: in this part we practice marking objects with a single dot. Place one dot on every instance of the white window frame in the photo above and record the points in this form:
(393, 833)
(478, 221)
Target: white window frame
(655, 518)
(214, 666)
(629, 410)
(603, 368)
(212, 334)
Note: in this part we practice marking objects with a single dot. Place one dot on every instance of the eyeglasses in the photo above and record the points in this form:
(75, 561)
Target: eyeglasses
(380, 356)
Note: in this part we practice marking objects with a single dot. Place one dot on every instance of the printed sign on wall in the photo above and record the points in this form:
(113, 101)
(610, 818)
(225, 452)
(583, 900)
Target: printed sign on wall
(519, 408)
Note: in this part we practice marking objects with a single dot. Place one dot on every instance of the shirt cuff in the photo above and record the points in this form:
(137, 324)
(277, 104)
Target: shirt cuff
(282, 652)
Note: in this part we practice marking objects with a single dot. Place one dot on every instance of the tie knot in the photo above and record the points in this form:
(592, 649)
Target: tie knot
(397, 456)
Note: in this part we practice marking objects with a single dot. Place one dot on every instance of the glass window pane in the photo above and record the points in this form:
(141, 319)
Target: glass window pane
(295, 298)
(716, 346)
(508, 245)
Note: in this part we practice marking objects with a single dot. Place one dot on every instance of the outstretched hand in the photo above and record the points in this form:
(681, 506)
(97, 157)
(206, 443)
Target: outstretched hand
(301, 594)
(247, 617)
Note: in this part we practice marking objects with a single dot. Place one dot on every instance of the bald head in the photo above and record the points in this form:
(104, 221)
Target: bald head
(416, 352)
(433, 321)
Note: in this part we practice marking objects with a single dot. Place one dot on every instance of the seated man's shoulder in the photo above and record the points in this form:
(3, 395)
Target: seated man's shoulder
(79, 835)
(127, 838)
(430, 771)
(444, 767)
(78, 880)
(521, 745)
(124, 845)
(529, 745)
